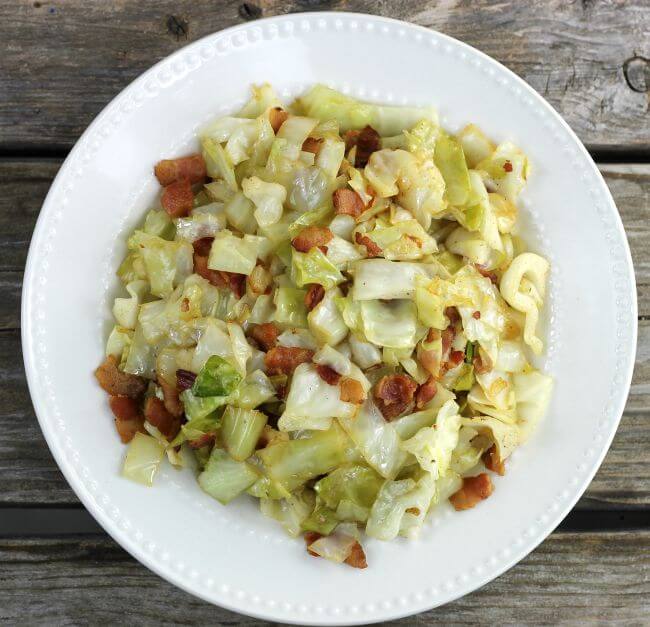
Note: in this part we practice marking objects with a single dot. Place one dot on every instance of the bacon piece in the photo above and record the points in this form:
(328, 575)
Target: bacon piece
(312, 144)
(314, 295)
(213, 276)
(203, 440)
(476, 315)
(172, 402)
(348, 202)
(507, 166)
(169, 171)
(310, 237)
(426, 392)
(350, 139)
(492, 462)
(184, 379)
(482, 363)
(474, 490)
(452, 314)
(310, 538)
(266, 335)
(285, 359)
(352, 391)
(327, 374)
(448, 336)
(277, 117)
(128, 417)
(202, 246)
(363, 240)
(118, 383)
(357, 557)
(455, 358)
(236, 282)
(368, 141)
(488, 274)
(156, 413)
(394, 395)
(178, 198)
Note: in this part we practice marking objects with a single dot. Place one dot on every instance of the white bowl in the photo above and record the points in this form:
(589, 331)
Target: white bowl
(232, 556)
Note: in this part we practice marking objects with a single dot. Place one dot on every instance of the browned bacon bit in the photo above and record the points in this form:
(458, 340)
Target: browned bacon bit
(206, 439)
(184, 379)
(327, 374)
(455, 358)
(474, 490)
(213, 276)
(488, 274)
(170, 395)
(492, 462)
(312, 144)
(368, 142)
(281, 391)
(348, 202)
(507, 166)
(371, 247)
(426, 392)
(323, 249)
(394, 394)
(452, 314)
(476, 315)
(482, 363)
(128, 417)
(285, 359)
(185, 305)
(352, 391)
(169, 171)
(277, 117)
(357, 557)
(448, 336)
(350, 139)
(118, 383)
(178, 198)
(156, 413)
(310, 538)
(236, 282)
(266, 335)
(413, 510)
(310, 237)
(314, 295)
(202, 246)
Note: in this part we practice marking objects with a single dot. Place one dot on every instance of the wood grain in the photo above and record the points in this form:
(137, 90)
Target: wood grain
(30, 475)
(596, 577)
(63, 61)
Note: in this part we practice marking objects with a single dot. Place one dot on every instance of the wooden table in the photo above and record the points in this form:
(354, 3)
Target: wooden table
(61, 62)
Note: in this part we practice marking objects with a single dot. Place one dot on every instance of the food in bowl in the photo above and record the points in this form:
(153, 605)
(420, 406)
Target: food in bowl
(332, 310)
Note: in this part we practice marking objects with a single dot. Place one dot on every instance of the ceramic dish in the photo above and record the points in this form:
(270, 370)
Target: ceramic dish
(233, 556)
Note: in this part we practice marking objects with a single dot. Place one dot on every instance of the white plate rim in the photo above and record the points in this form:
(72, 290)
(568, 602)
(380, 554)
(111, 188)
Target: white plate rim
(71, 474)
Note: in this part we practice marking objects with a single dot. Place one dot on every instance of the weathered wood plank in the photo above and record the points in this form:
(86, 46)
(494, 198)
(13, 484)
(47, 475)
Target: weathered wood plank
(64, 61)
(574, 578)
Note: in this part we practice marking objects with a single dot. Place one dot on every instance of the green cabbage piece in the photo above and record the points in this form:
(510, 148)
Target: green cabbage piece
(225, 478)
(325, 320)
(421, 139)
(205, 221)
(385, 280)
(450, 160)
(392, 324)
(263, 99)
(159, 223)
(314, 267)
(233, 254)
(290, 306)
(433, 446)
(167, 264)
(324, 104)
(267, 198)
(218, 377)
(217, 163)
(290, 512)
(142, 459)
(330, 156)
(506, 170)
(240, 431)
(119, 341)
(376, 439)
(125, 310)
(506, 437)
(312, 403)
(402, 241)
(240, 211)
(294, 462)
